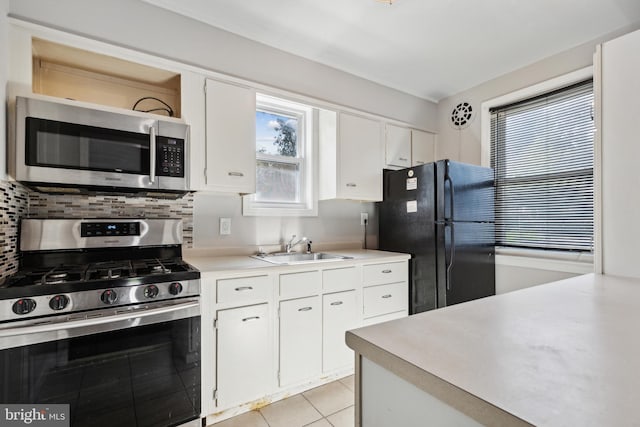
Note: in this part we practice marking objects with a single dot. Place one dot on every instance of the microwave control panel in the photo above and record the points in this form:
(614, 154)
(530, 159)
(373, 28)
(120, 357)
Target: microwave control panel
(170, 157)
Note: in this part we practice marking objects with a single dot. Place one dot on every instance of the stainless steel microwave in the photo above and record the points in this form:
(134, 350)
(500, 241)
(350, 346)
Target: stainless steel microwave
(69, 147)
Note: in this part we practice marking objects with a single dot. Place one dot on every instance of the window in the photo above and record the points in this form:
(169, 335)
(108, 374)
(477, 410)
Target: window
(284, 154)
(542, 154)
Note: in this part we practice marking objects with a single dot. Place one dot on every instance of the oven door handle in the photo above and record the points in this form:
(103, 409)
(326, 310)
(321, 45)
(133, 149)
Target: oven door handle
(132, 316)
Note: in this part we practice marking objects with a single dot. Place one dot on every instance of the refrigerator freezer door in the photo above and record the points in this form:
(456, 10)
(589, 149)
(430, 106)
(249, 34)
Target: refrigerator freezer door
(464, 192)
(406, 224)
(466, 268)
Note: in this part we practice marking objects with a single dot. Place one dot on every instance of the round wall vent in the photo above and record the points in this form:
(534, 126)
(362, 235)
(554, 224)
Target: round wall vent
(462, 115)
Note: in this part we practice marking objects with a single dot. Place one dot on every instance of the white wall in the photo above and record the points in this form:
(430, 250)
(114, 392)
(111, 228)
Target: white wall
(146, 28)
(4, 69)
(337, 223)
(620, 111)
(511, 278)
(464, 145)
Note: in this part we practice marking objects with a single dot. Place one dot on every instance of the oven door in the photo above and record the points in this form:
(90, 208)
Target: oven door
(134, 366)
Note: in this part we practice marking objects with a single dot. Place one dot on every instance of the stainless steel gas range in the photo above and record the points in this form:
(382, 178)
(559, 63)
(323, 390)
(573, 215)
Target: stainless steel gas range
(104, 316)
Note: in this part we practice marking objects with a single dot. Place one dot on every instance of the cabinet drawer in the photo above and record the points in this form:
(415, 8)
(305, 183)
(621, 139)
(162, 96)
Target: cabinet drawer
(293, 285)
(383, 299)
(339, 279)
(243, 289)
(389, 272)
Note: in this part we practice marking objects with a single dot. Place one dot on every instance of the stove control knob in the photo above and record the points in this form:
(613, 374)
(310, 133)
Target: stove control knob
(24, 306)
(59, 302)
(151, 291)
(175, 288)
(109, 296)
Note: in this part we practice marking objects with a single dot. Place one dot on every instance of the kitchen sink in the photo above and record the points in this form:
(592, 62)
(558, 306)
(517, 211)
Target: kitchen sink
(299, 258)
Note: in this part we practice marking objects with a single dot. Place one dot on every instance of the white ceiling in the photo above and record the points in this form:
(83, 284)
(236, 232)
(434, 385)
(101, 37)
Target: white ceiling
(428, 48)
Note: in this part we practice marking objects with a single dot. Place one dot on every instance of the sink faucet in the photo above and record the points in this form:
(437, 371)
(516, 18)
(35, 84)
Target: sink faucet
(289, 246)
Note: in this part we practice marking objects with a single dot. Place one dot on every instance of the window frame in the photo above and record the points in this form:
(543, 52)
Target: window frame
(531, 257)
(306, 141)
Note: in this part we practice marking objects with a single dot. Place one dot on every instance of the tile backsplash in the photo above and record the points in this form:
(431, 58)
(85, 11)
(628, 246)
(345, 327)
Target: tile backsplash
(17, 201)
(14, 204)
(43, 205)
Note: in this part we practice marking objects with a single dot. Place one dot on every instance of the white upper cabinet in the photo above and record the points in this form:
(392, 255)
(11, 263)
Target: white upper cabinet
(192, 101)
(351, 157)
(406, 147)
(230, 138)
(398, 146)
(422, 147)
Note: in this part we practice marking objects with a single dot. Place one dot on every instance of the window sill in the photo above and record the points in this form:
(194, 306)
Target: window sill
(579, 263)
(252, 208)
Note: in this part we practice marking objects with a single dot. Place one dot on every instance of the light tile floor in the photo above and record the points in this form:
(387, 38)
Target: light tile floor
(330, 405)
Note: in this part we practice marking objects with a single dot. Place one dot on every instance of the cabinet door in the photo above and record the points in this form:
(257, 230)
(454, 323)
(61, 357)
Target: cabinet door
(300, 340)
(361, 158)
(245, 355)
(231, 138)
(422, 147)
(398, 146)
(339, 315)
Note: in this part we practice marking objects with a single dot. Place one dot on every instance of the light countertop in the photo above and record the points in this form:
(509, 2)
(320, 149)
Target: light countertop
(244, 263)
(561, 354)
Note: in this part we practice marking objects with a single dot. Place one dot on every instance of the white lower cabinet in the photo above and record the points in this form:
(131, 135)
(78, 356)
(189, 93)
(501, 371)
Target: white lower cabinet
(262, 356)
(339, 313)
(245, 355)
(384, 299)
(300, 340)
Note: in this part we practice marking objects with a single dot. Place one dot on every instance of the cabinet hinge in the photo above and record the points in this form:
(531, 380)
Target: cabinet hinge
(215, 394)
(278, 312)
(215, 323)
(278, 377)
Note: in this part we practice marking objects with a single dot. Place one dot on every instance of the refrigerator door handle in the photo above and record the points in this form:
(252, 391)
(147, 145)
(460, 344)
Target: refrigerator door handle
(451, 197)
(451, 255)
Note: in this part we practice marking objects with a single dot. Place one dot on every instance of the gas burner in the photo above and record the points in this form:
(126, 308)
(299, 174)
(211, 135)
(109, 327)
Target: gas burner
(54, 278)
(110, 273)
(158, 269)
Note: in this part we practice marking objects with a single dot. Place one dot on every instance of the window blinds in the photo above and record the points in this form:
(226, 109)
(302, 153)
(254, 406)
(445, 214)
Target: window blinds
(542, 155)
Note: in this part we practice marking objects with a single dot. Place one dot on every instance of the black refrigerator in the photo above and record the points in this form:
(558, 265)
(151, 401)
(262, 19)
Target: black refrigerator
(442, 214)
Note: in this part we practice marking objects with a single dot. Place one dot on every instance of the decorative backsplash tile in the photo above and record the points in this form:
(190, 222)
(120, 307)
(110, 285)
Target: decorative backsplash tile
(17, 201)
(43, 205)
(14, 203)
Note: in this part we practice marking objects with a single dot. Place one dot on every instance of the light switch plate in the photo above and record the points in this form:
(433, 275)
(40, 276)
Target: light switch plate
(225, 226)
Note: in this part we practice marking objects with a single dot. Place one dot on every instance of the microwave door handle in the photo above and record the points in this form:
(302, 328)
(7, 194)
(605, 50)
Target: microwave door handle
(152, 154)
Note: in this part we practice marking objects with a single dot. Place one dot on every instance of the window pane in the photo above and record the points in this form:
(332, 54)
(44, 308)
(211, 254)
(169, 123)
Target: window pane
(277, 182)
(276, 134)
(542, 154)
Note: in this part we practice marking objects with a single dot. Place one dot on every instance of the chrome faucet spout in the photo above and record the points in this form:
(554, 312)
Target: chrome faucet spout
(289, 246)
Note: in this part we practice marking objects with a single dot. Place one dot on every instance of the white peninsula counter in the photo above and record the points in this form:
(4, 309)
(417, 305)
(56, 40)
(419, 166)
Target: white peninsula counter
(561, 354)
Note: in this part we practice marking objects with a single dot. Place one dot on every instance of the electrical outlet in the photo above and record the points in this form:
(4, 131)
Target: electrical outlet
(364, 218)
(225, 226)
